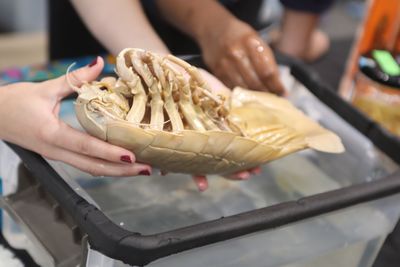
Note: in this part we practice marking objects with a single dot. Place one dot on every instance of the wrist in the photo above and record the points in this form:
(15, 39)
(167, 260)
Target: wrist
(226, 33)
(211, 25)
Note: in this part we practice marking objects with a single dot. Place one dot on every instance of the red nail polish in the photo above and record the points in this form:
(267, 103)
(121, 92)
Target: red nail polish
(94, 62)
(145, 172)
(126, 158)
(244, 176)
(202, 186)
(256, 171)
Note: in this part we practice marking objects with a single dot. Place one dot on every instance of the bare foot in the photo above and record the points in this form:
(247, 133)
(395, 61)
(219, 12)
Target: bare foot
(299, 36)
(319, 46)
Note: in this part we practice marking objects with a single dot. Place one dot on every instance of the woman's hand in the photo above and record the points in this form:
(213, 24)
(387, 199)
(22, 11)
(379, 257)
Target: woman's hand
(29, 116)
(238, 56)
(202, 182)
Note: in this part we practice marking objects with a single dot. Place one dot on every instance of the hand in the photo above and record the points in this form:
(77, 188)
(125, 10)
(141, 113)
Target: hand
(239, 57)
(217, 87)
(29, 115)
(202, 182)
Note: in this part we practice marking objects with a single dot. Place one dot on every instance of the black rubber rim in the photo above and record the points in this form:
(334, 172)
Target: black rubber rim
(136, 249)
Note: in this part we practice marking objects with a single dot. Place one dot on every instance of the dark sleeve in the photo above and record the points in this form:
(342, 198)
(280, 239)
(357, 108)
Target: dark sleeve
(68, 35)
(312, 6)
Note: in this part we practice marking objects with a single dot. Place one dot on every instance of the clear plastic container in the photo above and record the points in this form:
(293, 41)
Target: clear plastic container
(350, 237)
(9, 162)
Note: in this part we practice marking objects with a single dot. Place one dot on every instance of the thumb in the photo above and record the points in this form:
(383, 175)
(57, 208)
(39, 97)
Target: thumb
(68, 83)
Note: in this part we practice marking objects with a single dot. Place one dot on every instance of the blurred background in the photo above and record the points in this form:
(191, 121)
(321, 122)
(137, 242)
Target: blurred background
(23, 25)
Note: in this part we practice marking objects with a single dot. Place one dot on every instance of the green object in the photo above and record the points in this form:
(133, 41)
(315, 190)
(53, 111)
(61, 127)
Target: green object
(386, 62)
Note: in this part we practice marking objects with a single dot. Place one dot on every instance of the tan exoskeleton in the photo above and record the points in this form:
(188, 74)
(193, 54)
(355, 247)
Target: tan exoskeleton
(163, 110)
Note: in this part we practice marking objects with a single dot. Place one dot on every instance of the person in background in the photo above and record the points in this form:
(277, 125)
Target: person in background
(299, 35)
(224, 32)
(115, 25)
(229, 42)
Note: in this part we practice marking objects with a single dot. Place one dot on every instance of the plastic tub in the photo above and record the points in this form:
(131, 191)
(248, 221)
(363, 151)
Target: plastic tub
(307, 209)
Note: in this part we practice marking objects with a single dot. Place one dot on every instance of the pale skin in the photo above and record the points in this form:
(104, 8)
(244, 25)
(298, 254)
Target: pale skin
(119, 24)
(31, 113)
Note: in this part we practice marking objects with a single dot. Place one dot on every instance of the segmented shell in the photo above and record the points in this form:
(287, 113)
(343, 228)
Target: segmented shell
(163, 110)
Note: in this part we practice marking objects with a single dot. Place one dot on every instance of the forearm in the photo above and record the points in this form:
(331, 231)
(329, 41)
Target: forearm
(119, 24)
(200, 19)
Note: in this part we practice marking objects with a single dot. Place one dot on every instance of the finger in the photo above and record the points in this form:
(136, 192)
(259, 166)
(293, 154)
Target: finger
(230, 74)
(222, 76)
(97, 167)
(71, 139)
(264, 63)
(246, 69)
(77, 78)
(239, 176)
(201, 182)
(217, 86)
(275, 85)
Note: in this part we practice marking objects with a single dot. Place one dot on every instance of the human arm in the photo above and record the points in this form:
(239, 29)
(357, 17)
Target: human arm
(232, 50)
(29, 118)
(119, 24)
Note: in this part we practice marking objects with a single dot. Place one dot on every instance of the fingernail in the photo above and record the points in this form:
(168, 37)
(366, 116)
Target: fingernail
(126, 158)
(145, 173)
(94, 62)
(202, 186)
(244, 176)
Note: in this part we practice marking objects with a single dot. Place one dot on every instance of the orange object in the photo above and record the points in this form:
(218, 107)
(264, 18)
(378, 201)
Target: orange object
(379, 30)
